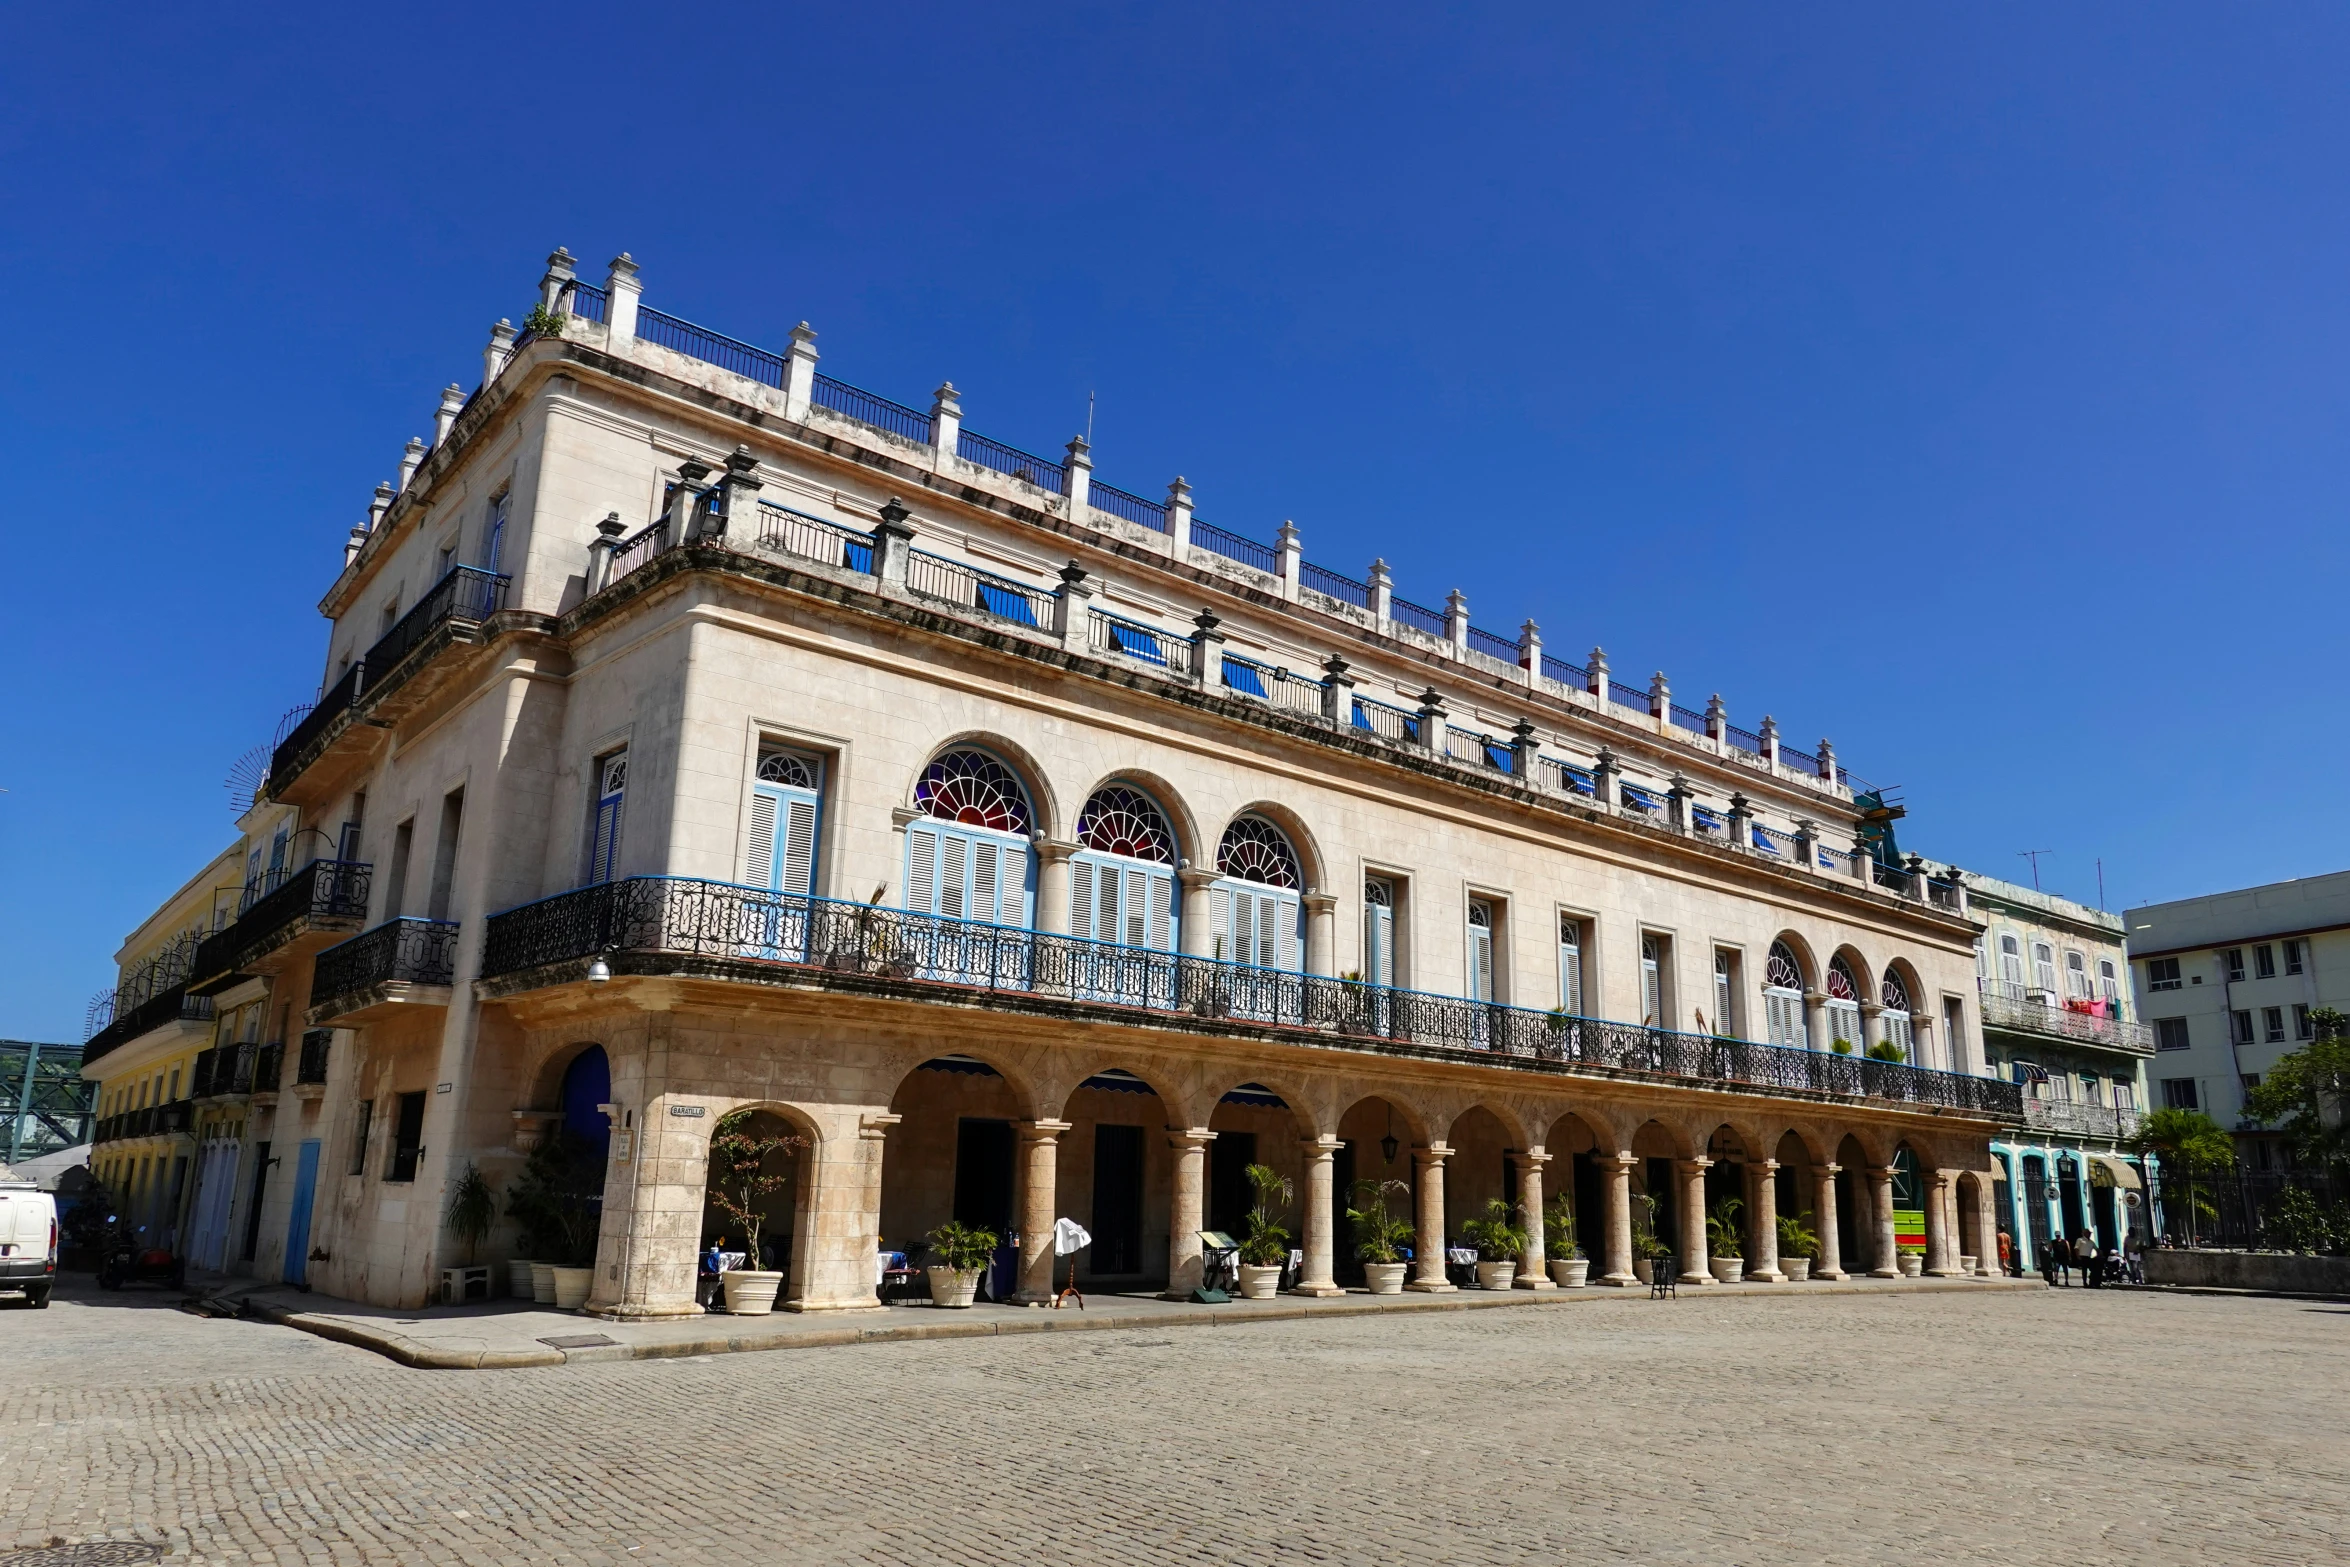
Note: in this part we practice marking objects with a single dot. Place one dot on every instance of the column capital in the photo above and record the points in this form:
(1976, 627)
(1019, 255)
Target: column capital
(1533, 1156)
(1195, 876)
(1826, 1169)
(1041, 1130)
(873, 1127)
(1318, 902)
(1616, 1161)
(1430, 1153)
(1767, 1166)
(1185, 1138)
(1692, 1166)
(1321, 1149)
(1053, 850)
(1883, 1172)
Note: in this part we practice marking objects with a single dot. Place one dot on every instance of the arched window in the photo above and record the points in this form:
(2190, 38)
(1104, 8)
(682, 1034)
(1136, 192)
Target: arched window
(787, 794)
(2011, 966)
(1894, 1024)
(1843, 1004)
(2076, 976)
(970, 858)
(2044, 967)
(1783, 998)
(1253, 907)
(1122, 881)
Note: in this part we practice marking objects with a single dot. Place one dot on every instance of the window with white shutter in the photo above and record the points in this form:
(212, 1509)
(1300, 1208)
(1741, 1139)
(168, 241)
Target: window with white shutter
(611, 774)
(1481, 922)
(1571, 965)
(1378, 931)
(1253, 908)
(1783, 998)
(787, 799)
(1122, 879)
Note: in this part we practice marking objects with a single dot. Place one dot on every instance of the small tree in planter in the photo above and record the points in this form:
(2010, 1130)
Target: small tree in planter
(740, 1184)
(473, 1208)
(1500, 1241)
(1725, 1242)
(1647, 1248)
(959, 1254)
(559, 1203)
(1799, 1247)
(1380, 1237)
(1264, 1245)
(1569, 1268)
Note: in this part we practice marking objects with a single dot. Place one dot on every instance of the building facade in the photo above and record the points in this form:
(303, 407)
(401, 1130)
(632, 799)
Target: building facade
(2228, 983)
(2058, 1021)
(700, 733)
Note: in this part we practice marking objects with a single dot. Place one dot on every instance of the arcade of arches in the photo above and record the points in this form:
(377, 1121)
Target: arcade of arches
(1148, 1150)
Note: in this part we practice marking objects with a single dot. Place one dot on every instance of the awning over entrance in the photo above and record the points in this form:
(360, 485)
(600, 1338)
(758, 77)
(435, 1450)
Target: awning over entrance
(2105, 1170)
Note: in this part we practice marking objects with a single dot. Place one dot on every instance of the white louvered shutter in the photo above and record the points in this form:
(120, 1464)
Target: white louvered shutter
(759, 858)
(1378, 944)
(986, 881)
(1220, 923)
(1081, 923)
(1292, 947)
(797, 874)
(1136, 931)
(1481, 963)
(1162, 913)
(921, 870)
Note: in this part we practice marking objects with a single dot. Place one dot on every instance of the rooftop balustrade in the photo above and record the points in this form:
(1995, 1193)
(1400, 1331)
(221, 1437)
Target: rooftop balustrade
(1108, 634)
(744, 929)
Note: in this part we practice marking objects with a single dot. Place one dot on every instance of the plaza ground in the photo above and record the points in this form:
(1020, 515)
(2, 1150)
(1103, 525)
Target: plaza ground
(2071, 1426)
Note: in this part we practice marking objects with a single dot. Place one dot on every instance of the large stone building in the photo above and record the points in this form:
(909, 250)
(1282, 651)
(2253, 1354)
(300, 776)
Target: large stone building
(2058, 1021)
(700, 732)
(2228, 982)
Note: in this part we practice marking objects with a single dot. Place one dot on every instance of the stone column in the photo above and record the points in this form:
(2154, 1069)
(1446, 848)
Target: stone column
(444, 418)
(1316, 1276)
(1830, 1262)
(839, 1219)
(1077, 477)
(1533, 1262)
(893, 542)
(1039, 1174)
(1596, 670)
(1321, 912)
(1693, 1244)
(1456, 622)
(1615, 1239)
(1382, 594)
(499, 350)
(1816, 1033)
(1530, 654)
(652, 1208)
(739, 499)
(1186, 1209)
(1941, 1255)
(559, 276)
(1987, 1225)
(411, 459)
(1886, 1264)
(1052, 885)
(1428, 1247)
(1073, 610)
(1763, 1256)
(1193, 932)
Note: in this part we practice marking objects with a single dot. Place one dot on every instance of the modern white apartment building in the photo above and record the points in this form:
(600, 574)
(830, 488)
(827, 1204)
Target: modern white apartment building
(699, 732)
(2227, 983)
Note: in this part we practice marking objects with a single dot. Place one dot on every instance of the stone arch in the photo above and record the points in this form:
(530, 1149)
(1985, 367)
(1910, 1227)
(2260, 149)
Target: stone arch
(1182, 821)
(1043, 805)
(1807, 960)
(1115, 1167)
(546, 1069)
(952, 1152)
(789, 1212)
(1799, 1145)
(1312, 865)
(1863, 975)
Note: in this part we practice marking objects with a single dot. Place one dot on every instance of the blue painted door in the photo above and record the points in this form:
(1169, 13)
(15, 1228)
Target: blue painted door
(297, 1269)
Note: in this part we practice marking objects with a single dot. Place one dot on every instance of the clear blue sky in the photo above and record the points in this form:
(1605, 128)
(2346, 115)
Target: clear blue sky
(1967, 389)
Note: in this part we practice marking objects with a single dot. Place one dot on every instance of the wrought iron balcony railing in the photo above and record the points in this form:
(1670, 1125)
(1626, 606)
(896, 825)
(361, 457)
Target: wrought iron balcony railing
(733, 924)
(417, 951)
(200, 1076)
(464, 594)
(2080, 1120)
(320, 890)
(332, 705)
(2011, 1006)
(315, 1044)
(268, 1063)
(173, 1005)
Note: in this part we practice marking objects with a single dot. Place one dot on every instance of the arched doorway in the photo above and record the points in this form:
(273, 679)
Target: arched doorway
(587, 1088)
(1856, 1211)
(1115, 1178)
(1575, 1173)
(952, 1154)
(1657, 1197)
(1910, 1196)
(1726, 1181)
(779, 1208)
(1376, 1137)
(1255, 1126)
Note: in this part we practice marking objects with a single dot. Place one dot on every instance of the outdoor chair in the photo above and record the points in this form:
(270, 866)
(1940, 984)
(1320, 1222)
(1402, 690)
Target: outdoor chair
(1664, 1275)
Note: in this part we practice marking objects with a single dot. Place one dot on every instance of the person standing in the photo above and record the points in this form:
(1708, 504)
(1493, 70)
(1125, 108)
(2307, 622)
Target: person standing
(2006, 1254)
(2085, 1254)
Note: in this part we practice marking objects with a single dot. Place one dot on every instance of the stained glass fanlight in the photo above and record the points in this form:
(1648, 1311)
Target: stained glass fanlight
(1256, 850)
(973, 788)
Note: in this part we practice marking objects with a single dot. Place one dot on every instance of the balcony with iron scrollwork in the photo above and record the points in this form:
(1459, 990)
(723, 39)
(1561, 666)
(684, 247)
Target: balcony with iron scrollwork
(718, 931)
(2014, 1008)
(310, 1069)
(402, 963)
(2068, 1118)
(453, 610)
(282, 924)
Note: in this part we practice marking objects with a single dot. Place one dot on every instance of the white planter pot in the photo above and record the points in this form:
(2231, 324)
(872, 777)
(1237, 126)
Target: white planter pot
(518, 1279)
(1644, 1270)
(1568, 1273)
(571, 1287)
(1966, 1266)
(1259, 1283)
(750, 1292)
(1912, 1264)
(542, 1283)
(1384, 1278)
(1496, 1275)
(949, 1288)
(1727, 1270)
(1797, 1269)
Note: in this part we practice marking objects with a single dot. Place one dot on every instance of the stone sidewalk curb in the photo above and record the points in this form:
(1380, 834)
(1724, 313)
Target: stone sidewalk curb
(422, 1356)
(2228, 1293)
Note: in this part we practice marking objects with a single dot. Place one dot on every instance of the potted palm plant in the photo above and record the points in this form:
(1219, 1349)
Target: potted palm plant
(741, 1181)
(1569, 1268)
(1500, 1241)
(1380, 1237)
(960, 1253)
(473, 1208)
(559, 1202)
(1912, 1260)
(1264, 1244)
(1646, 1248)
(1724, 1244)
(1799, 1244)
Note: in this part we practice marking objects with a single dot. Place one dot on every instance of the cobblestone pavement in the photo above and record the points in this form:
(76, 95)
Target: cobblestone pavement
(2062, 1426)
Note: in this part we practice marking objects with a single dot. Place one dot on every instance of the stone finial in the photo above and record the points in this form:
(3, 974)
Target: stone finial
(1827, 759)
(353, 545)
(1207, 620)
(445, 417)
(611, 527)
(946, 400)
(411, 460)
(1072, 574)
(498, 352)
(1080, 452)
(1335, 667)
(1179, 490)
(803, 335)
(623, 265)
(381, 504)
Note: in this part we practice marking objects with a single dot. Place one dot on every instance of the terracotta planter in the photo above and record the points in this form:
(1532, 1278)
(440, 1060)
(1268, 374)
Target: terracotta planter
(571, 1287)
(1797, 1269)
(542, 1283)
(1912, 1264)
(518, 1279)
(1727, 1270)
(949, 1287)
(750, 1292)
(1569, 1273)
(1496, 1275)
(1259, 1283)
(1384, 1278)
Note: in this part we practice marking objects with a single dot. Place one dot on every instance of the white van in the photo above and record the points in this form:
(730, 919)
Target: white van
(28, 1240)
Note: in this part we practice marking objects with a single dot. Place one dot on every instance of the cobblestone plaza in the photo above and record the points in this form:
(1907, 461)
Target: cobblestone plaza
(2065, 1426)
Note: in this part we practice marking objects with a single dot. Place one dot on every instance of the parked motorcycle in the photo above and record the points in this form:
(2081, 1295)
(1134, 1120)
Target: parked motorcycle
(130, 1260)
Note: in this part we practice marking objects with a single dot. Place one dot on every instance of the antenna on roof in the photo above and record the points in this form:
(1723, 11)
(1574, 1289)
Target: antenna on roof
(1089, 417)
(2034, 856)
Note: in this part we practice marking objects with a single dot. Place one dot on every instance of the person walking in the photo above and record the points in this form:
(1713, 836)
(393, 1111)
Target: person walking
(2006, 1254)
(2085, 1254)
(2134, 1258)
(2052, 1261)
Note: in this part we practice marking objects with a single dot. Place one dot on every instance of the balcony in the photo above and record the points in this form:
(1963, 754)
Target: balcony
(2066, 1118)
(174, 1005)
(716, 930)
(2014, 1008)
(452, 610)
(268, 1065)
(310, 1072)
(402, 962)
(163, 1120)
(323, 898)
